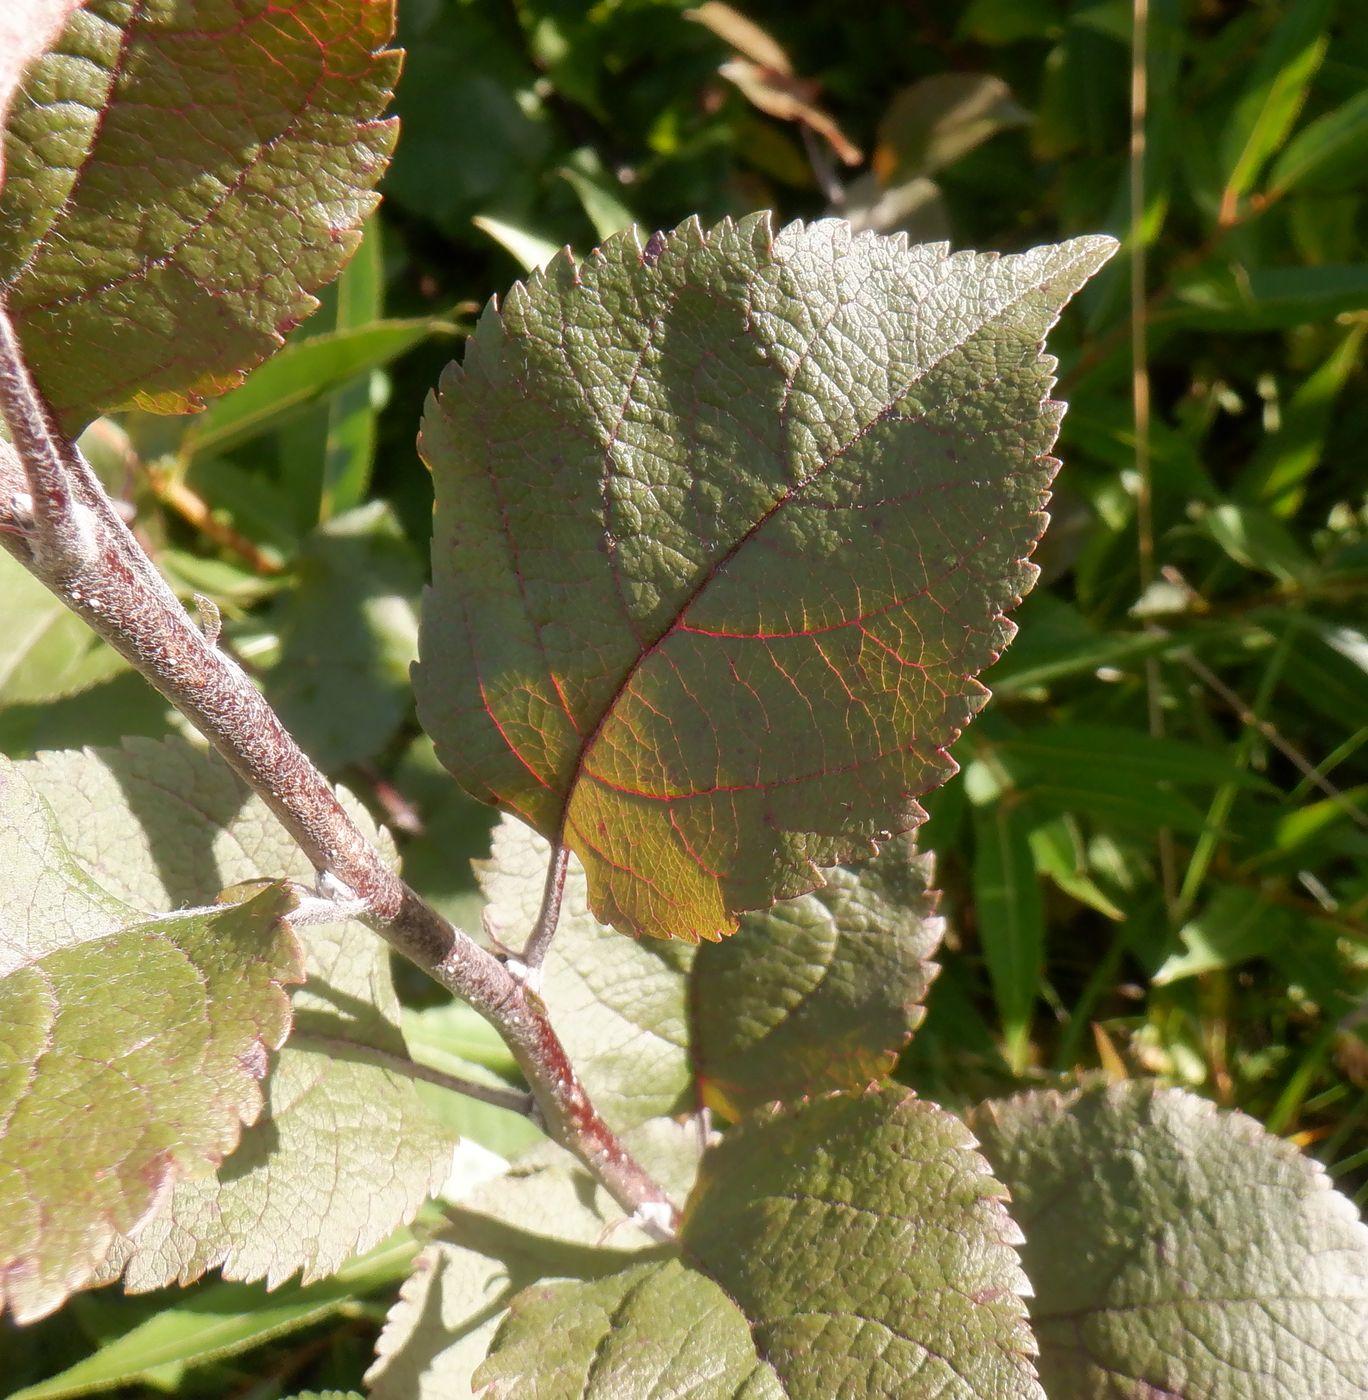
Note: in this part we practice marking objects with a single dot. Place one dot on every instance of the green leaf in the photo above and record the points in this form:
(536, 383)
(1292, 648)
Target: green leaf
(712, 578)
(939, 119)
(349, 632)
(158, 1028)
(1175, 1250)
(1256, 539)
(1273, 95)
(529, 250)
(1009, 915)
(653, 1329)
(46, 651)
(1235, 925)
(1270, 298)
(870, 1249)
(1058, 851)
(456, 1039)
(1328, 155)
(353, 414)
(621, 1008)
(223, 1319)
(820, 992)
(1280, 467)
(1069, 753)
(1056, 642)
(179, 180)
(344, 1151)
(304, 372)
(599, 193)
(547, 1218)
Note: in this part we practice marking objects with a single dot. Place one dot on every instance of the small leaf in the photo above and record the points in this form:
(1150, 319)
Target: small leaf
(870, 1249)
(937, 120)
(157, 1029)
(712, 578)
(529, 250)
(653, 1329)
(1267, 298)
(1273, 96)
(1175, 1250)
(1236, 925)
(179, 180)
(344, 1152)
(820, 992)
(349, 632)
(621, 1008)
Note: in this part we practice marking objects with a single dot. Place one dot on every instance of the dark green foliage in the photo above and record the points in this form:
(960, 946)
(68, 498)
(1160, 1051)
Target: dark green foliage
(1154, 858)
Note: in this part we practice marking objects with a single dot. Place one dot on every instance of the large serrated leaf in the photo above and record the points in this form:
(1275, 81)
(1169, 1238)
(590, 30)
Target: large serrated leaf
(870, 1249)
(344, 1151)
(1178, 1251)
(180, 176)
(133, 1047)
(726, 527)
(820, 992)
(654, 1329)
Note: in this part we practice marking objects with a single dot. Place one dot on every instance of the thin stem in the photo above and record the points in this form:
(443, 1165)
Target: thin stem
(84, 553)
(514, 1100)
(534, 954)
(1140, 393)
(195, 511)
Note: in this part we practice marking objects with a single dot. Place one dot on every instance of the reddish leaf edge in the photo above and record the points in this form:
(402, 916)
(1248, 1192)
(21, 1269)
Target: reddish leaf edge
(196, 396)
(164, 1172)
(565, 265)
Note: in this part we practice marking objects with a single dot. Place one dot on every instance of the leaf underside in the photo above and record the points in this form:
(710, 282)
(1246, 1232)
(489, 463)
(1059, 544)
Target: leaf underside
(653, 1329)
(180, 177)
(546, 1218)
(133, 1047)
(343, 1150)
(725, 530)
(820, 992)
(1178, 1251)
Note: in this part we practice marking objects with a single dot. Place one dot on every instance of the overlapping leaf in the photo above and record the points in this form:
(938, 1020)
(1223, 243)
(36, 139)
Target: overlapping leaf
(179, 178)
(133, 1047)
(344, 1151)
(715, 570)
(1174, 1250)
(349, 632)
(869, 1248)
(653, 1329)
(820, 992)
(545, 1219)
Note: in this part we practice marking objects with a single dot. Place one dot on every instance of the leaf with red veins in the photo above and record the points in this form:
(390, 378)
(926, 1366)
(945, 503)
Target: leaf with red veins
(180, 177)
(724, 536)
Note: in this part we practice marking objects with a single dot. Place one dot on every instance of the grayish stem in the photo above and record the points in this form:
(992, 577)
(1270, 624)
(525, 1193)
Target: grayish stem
(77, 545)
